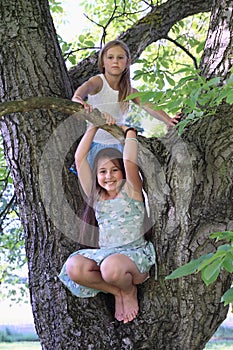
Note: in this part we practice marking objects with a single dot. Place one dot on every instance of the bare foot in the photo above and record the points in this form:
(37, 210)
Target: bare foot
(130, 303)
(140, 278)
(119, 308)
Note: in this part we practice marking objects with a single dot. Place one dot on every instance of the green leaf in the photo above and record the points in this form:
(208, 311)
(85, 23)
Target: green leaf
(227, 235)
(181, 126)
(229, 98)
(227, 297)
(200, 47)
(187, 269)
(220, 254)
(224, 248)
(213, 81)
(170, 81)
(228, 263)
(211, 272)
(81, 38)
(90, 43)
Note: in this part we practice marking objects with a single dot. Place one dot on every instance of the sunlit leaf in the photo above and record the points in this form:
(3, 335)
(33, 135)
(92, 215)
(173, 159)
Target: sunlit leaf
(227, 297)
(228, 263)
(188, 268)
(210, 273)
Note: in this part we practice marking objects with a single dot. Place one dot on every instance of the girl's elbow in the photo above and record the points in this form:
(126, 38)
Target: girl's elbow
(78, 161)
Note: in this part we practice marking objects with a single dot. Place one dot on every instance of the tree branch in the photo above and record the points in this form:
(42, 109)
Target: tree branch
(184, 49)
(63, 105)
(151, 28)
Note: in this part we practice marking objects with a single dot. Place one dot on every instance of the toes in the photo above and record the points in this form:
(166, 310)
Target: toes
(119, 317)
(131, 316)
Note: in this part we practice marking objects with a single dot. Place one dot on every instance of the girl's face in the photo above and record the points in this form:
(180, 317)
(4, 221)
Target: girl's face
(109, 175)
(115, 60)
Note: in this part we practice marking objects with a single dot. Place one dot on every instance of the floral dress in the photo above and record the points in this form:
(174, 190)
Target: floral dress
(120, 223)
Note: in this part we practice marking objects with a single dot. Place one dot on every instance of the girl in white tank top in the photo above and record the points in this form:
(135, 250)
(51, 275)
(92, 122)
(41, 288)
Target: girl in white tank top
(108, 91)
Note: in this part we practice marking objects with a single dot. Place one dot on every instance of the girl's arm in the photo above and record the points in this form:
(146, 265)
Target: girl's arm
(130, 157)
(82, 165)
(90, 87)
(158, 114)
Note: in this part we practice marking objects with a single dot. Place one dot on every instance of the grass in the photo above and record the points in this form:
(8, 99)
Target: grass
(12, 340)
(35, 345)
(219, 345)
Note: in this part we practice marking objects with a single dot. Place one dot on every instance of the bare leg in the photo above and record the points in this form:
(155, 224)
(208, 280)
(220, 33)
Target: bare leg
(86, 272)
(119, 270)
(117, 275)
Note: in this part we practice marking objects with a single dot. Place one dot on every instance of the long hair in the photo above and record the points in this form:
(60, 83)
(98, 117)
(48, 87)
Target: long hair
(89, 230)
(124, 84)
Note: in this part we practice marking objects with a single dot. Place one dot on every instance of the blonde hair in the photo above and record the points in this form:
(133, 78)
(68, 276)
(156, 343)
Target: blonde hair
(124, 84)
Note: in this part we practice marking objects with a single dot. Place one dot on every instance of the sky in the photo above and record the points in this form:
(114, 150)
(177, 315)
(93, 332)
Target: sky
(74, 20)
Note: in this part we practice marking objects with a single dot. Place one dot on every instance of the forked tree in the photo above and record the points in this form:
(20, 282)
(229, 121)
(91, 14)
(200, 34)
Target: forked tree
(189, 184)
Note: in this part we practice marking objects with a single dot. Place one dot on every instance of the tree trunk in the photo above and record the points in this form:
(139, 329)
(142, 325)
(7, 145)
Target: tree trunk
(190, 193)
(217, 57)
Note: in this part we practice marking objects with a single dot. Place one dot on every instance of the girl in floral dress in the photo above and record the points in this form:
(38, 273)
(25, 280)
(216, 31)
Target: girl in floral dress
(124, 256)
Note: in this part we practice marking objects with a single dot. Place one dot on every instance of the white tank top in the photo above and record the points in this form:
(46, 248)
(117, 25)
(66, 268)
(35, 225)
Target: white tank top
(106, 101)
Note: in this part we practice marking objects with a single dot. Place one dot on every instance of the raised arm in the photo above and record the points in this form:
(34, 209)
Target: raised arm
(130, 157)
(157, 114)
(82, 165)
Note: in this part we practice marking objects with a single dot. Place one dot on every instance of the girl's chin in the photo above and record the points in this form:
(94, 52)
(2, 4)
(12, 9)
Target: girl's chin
(110, 188)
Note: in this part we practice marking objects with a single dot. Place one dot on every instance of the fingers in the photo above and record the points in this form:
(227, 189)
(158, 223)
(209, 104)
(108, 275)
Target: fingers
(87, 108)
(109, 119)
(175, 120)
(177, 117)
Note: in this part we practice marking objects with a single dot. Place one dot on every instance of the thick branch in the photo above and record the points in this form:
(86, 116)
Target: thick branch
(62, 105)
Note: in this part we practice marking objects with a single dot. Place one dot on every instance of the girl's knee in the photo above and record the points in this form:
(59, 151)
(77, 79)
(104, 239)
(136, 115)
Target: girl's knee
(78, 266)
(110, 270)
(72, 267)
(75, 266)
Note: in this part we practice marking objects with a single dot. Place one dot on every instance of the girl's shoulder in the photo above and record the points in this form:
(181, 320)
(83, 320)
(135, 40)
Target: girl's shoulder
(133, 90)
(95, 84)
(136, 99)
(131, 193)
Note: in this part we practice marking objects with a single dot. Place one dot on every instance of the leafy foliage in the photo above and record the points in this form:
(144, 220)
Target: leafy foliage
(56, 6)
(197, 96)
(12, 257)
(210, 265)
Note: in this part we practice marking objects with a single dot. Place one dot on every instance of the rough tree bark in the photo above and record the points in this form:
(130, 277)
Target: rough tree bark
(189, 186)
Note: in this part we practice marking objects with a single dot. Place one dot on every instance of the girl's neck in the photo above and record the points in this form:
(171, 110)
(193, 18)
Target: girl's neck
(113, 80)
(108, 196)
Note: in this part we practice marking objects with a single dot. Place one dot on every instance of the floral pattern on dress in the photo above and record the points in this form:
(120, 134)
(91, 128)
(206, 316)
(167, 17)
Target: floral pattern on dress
(119, 234)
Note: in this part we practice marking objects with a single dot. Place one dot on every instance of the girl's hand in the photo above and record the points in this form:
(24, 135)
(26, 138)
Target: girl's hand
(109, 119)
(124, 128)
(177, 117)
(175, 120)
(87, 108)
